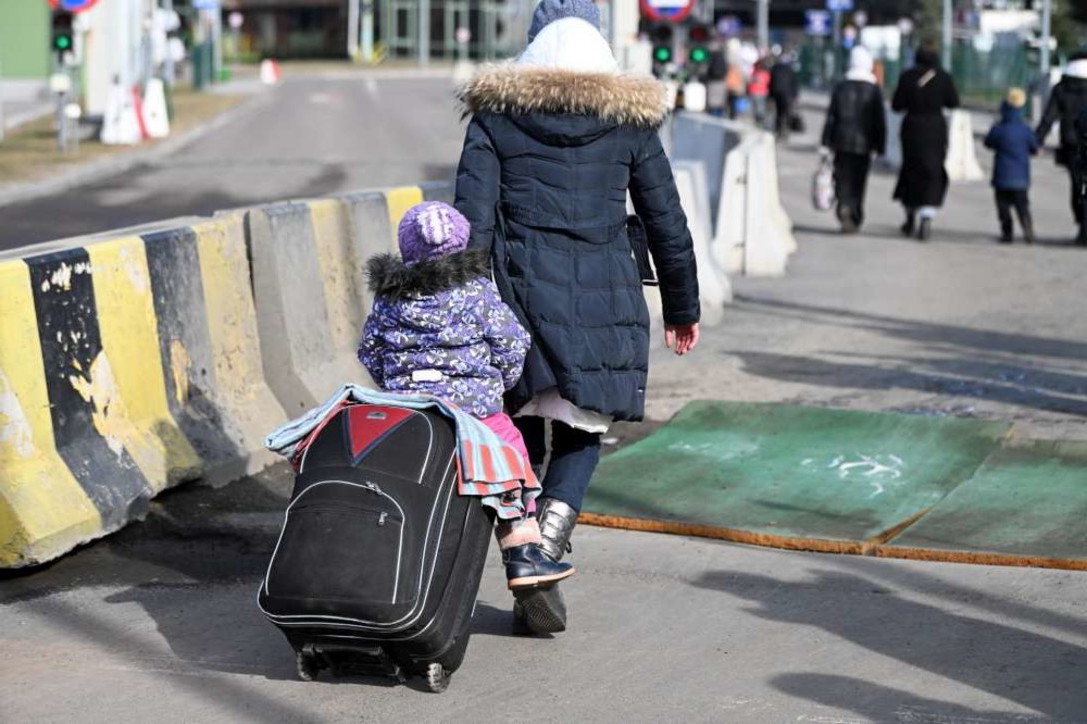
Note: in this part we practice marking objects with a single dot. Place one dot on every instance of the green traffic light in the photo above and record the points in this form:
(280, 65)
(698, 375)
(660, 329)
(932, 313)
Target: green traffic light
(662, 55)
(63, 42)
(699, 55)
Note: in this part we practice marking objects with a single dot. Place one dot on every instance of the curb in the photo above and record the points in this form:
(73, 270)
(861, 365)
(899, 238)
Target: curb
(125, 161)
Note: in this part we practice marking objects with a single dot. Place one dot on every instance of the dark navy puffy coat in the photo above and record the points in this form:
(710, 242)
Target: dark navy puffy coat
(543, 179)
(1014, 143)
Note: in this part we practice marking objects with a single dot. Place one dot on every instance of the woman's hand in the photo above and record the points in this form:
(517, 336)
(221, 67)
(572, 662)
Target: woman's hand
(684, 337)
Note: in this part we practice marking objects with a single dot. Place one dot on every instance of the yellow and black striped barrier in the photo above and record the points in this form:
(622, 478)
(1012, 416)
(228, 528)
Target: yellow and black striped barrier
(131, 364)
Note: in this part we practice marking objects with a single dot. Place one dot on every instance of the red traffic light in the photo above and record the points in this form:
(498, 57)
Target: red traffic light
(698, 34)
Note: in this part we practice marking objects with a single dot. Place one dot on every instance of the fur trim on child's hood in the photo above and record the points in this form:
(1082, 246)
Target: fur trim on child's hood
(390, 277)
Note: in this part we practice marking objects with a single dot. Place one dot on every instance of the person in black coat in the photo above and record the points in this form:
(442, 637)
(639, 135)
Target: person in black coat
(1067, 102)
(784, 90)
(923, 93)
(555, 142)
(856, 128)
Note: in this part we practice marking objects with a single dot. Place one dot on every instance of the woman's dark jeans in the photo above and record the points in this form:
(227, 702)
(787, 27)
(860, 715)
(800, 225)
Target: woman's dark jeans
(574, 456)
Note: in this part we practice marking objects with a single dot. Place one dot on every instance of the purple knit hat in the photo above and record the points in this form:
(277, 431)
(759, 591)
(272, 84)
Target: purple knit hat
(431, 230)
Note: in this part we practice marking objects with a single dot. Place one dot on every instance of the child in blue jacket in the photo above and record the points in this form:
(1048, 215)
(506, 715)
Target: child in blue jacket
(1014, 143)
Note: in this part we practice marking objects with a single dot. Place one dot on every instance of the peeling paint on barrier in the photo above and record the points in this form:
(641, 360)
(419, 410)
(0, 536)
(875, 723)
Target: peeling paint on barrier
(179, 370)
(109, 415)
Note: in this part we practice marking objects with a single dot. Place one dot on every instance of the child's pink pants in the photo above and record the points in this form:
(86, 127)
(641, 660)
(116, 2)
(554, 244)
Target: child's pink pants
(502, 426)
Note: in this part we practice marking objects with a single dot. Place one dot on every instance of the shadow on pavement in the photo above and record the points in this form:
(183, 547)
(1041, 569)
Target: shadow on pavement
(1038, 672)
(930, 585)
(981, 364)
(246, 703)
(879, 703)
(793, 368)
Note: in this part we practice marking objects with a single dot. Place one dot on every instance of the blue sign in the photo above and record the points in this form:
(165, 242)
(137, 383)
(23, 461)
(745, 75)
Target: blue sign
(205, 4)
(840, 6)
(73, 6)
(817, 22)
(728, 26)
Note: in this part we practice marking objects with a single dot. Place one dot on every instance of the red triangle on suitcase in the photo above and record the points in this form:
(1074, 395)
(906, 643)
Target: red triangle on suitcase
(367, 424)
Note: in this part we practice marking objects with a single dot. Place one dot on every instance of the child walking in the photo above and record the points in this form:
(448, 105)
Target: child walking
(439, 327)
(1014, 143)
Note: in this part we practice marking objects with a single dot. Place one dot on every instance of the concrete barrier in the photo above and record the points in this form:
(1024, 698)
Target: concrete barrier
(305, 357)
(752, 233)
(209, 346)
(308, 261)
(769, 239)
(713, 284)
(962, 158)
(108, 419)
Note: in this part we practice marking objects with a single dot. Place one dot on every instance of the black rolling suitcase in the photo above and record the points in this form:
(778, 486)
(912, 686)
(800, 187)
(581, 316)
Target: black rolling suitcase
(378, 565)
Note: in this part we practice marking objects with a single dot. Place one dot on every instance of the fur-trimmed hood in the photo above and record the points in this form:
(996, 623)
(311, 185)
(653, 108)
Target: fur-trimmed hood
(390, 277)
(610, 97)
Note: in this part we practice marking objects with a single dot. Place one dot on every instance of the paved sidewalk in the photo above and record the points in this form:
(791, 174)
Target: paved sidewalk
(959, 326)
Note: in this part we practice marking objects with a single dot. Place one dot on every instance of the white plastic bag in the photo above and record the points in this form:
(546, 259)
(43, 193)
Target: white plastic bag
(822, 185)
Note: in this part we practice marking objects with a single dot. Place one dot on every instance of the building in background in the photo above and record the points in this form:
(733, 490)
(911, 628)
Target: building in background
(286, 28)
(25, 57)
(479, 29)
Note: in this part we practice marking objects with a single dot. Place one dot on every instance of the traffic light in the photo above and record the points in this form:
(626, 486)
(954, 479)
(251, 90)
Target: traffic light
(698, 38)
(62, 38)
(662, 35)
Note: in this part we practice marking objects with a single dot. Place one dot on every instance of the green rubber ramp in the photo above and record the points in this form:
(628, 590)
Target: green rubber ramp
(1026, 506)
(787, 476)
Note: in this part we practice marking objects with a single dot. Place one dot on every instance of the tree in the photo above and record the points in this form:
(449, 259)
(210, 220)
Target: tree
(929, 16)
(1067, 25)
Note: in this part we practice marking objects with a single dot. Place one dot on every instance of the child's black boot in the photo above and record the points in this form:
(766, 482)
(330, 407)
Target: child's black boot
(528, 567)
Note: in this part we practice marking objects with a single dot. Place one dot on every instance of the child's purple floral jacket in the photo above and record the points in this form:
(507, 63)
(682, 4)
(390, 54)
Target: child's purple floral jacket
(440, 327)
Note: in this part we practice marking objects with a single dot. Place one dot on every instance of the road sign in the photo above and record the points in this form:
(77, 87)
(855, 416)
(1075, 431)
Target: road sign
(205, 4)
(673, 11)
(817, 22)
(840, 6)
(729, 25)
(72, 6)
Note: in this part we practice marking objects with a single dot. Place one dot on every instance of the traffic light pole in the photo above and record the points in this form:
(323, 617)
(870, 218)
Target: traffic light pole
(946, 39)
(168, 65)
(764, 24)
(1047, 33)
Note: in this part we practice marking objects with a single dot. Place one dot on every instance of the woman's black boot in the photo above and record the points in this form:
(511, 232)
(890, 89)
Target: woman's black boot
(910, 225)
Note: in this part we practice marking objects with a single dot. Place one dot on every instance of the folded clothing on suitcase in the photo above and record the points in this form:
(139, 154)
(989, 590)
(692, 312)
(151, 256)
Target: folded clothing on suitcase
(489, 468)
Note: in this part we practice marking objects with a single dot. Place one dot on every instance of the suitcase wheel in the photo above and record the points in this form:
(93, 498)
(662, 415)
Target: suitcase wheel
(308, 666)
(437, 678)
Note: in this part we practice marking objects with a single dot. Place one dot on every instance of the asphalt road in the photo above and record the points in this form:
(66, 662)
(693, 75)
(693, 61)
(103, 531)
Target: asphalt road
(315, 134)
(159, 622)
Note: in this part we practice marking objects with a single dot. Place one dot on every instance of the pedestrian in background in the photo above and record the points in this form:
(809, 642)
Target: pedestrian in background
(856, 128)
(1013, 143)
(924, 92)
(735, 88)
(1066, 103)
(784, 89)
(716, 92)
(556, 140)
(758, 90)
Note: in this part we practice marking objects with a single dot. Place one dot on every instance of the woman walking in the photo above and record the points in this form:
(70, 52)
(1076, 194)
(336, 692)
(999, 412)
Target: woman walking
(923, 93)
(855, 129)
(555, 141)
